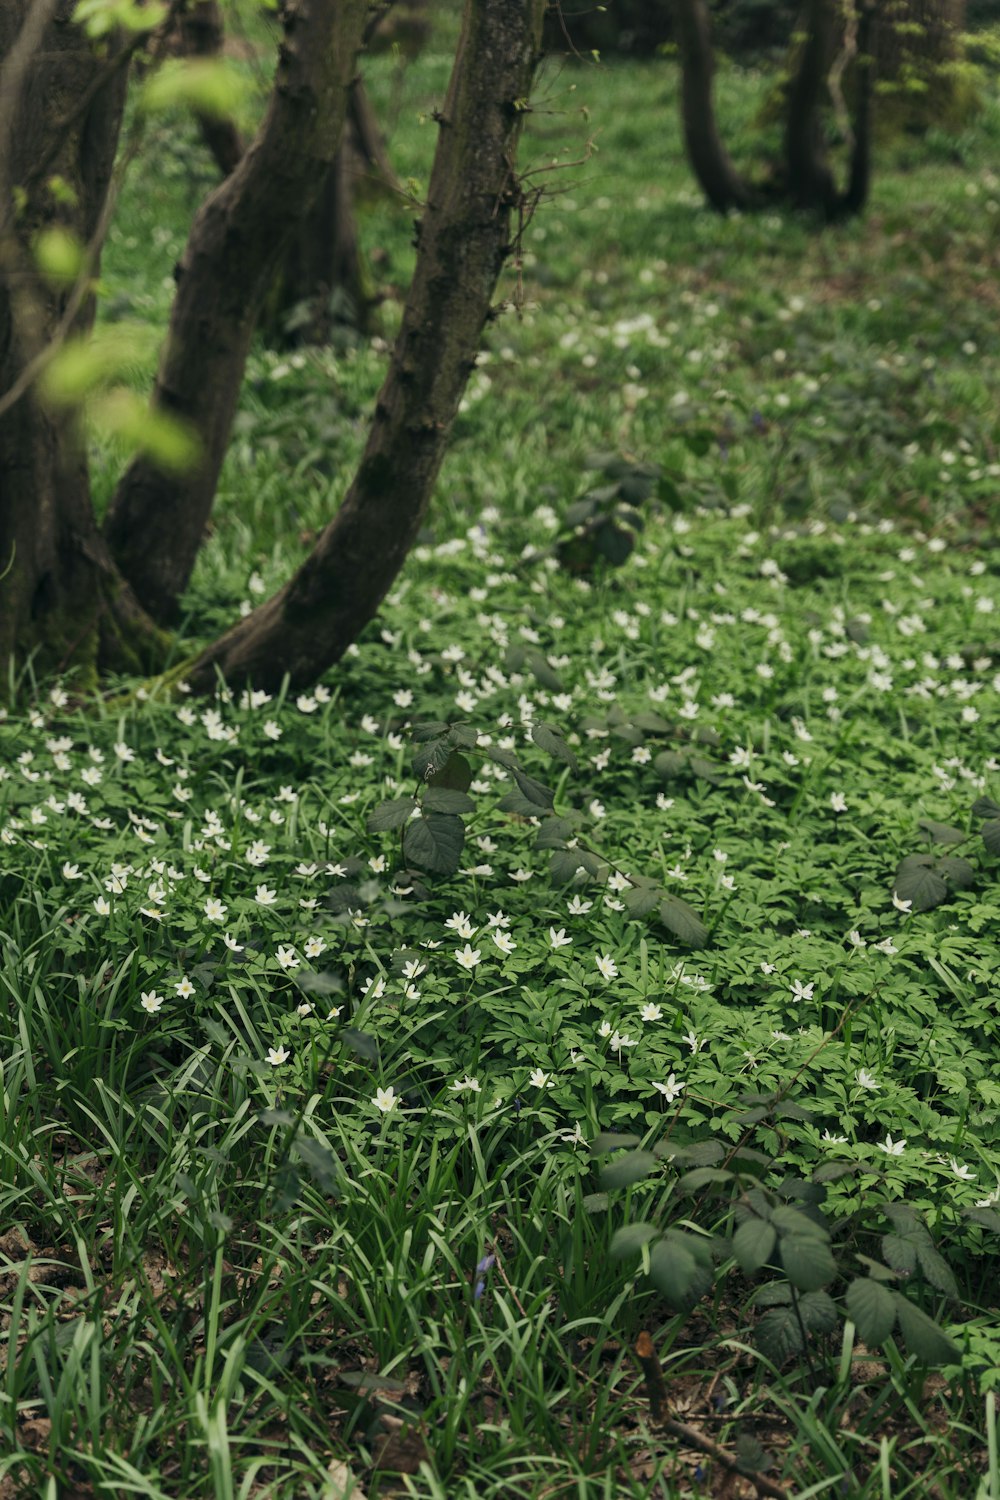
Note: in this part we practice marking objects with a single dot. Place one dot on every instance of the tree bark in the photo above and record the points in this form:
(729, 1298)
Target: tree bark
(201, 35)
(722, 185)
(810, 180)
(463, 240)
(156, 520)
(61, 600)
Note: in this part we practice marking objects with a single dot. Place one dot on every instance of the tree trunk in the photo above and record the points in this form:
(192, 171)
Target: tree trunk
(722, 185)
(201, 35)
(60, 595)
(463, 240)
(156, 521)
(323, 280)
(810, 180)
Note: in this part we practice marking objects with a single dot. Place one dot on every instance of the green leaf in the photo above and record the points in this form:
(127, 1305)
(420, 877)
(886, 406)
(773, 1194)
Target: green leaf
(990, 833)
(611, 1140)
(808, 1261)
(670, 763)
(552, 742)
(957, 871)
(677, 1273)
(918, 881)
(431, 757)
(543, 674)
(788, 1220)
(923, 1337)
(209, 86)
(631, 1166)
(453, 771)
(58, 255)
(630, 1239)
(430, 730)
(322, 1165)
(753, 1244)
(901, 1253)
(640, 899)
(532, 790)
(941, 833)
(937, 1270)
(564, 865)
(702, 1177)
(872, 1310)
(685, 924)
(318, 984)
(391, 814)
(819, 1312)
(985, 807)
(444, 799)
(435, 842)
(777, 1334)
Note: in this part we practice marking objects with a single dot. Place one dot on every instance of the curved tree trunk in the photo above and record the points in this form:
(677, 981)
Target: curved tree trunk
(722, 185)
(60, 595)
(201, 35)
(810, 180)
(156, 521)
(463, 240)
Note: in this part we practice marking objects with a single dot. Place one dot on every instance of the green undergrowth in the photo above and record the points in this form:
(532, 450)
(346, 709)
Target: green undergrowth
(608, 945)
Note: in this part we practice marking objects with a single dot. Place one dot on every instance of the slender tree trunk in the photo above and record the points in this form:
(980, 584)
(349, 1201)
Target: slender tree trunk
(463, 240)
(157, 520)
(201, 35)
(810, 181)
(60, 595)
(722, 185)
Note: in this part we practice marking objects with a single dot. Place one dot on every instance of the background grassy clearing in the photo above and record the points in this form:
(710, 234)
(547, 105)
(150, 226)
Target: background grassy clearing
(224, 1273)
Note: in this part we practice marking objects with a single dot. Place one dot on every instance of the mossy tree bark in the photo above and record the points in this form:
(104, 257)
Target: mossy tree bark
(156, 521)
(464, 238)
(61, 600)
(722, 185)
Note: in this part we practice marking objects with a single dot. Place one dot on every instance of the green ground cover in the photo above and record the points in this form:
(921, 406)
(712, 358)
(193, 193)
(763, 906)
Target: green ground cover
(297, 1181)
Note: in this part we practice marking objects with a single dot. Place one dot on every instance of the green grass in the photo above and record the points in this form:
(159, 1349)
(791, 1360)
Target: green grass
(225, 1268)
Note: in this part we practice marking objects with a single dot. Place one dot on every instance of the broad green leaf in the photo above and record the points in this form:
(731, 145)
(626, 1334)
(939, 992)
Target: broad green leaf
(430, 757)
(552, 742)
(683, 921)
(318, 984)
(918, 881)
(990, 834)
(753, 1244)
(431, 729)
(630, 1239)
(639, 900)
(777, 1334)
(435, 842)
(452, 771)
(631, 1166)
(392, 814)
(611, 1140)
(941, 833)
(323, 1167)
(545, 675)
(676, 1272)
(808, 1261)
(936, 1269)
(819, 1312)
(533, 790)
(872, 1309)
(445, 799)
(788, 1220)
(985, 807)
(900, 1252)
(703, 1177)
(923, 1337)
(957, 871)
